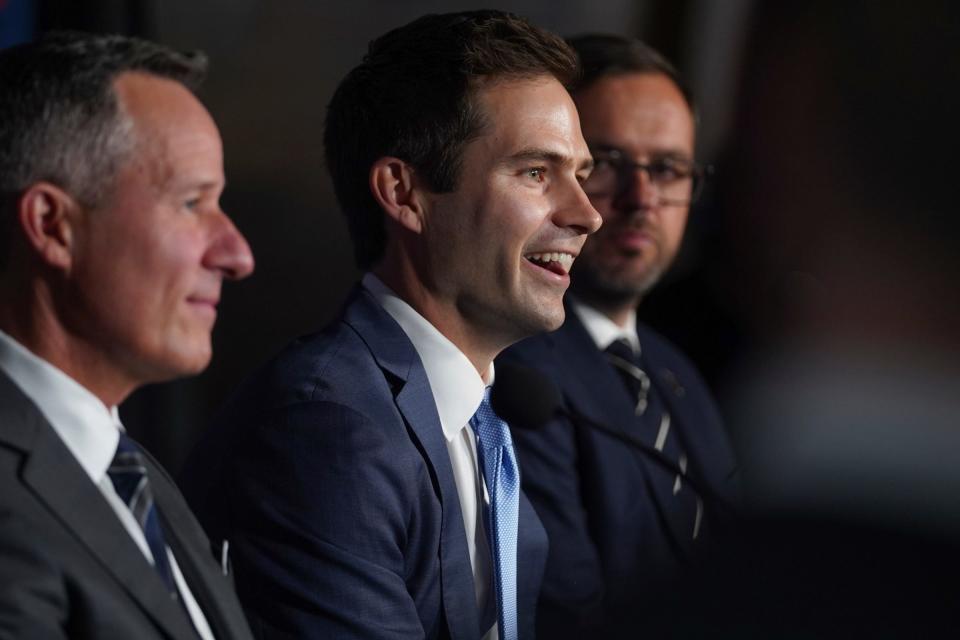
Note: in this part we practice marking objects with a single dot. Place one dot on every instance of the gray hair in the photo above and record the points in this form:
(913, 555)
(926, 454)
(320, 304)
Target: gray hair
(60, 120)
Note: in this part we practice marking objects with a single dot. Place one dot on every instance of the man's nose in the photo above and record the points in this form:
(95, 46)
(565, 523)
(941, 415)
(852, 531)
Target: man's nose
(579, 212)
(229, 252)
(636, 190)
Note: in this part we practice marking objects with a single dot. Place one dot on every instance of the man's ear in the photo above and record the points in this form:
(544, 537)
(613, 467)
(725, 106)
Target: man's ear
(46, 215)
(395, 188)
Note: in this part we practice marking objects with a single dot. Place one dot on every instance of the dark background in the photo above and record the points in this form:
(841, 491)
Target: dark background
(820, 119)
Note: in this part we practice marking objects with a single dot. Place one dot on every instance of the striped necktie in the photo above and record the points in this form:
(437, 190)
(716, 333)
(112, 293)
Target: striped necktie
(129, 475)
(654, 420)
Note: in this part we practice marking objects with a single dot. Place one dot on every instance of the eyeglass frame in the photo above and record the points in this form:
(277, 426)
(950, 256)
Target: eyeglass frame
(622, 165)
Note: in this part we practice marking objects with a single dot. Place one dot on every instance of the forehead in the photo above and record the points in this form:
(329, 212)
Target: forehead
(172, 130)
(638, 112)
(529, 113)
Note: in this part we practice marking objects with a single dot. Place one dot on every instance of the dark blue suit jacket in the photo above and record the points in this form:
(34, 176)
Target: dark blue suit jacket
(328, 473)
(595, 495)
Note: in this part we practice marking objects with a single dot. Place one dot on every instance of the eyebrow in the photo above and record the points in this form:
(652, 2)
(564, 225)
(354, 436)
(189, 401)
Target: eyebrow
(535, 154)
(201, 185)
(674, 154)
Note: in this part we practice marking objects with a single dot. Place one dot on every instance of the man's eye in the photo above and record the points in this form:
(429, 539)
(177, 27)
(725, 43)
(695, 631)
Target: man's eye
(668, 171)
(537, 173)
(602, 163)
(192, 203)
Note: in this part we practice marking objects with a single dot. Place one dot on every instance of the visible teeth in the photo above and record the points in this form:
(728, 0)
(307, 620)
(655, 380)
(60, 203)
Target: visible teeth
(565, 259)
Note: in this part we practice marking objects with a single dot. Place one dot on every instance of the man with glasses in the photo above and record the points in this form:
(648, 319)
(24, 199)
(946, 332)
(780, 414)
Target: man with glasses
(622, 521)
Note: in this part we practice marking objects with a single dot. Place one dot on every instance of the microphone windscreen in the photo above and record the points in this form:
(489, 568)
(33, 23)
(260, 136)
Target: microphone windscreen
(523, 396)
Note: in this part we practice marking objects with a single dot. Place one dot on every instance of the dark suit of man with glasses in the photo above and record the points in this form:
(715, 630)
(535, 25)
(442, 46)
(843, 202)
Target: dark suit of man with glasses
(619, 522)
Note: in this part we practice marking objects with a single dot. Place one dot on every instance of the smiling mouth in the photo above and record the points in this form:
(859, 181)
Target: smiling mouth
(207, 304)
(557, 262)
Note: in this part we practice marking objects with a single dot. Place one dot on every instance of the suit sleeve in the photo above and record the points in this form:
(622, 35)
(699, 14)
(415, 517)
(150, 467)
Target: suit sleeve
(32, 597)
(323, 520)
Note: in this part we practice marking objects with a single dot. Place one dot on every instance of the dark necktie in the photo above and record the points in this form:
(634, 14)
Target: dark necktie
(653, 418)
(129, 475)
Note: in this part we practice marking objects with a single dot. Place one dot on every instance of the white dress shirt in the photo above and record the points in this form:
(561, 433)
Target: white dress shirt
(91, 432)
(605, 331)
(457, 391)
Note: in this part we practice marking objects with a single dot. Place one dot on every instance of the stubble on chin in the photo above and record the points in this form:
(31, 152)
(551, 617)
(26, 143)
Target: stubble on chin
(609, 288)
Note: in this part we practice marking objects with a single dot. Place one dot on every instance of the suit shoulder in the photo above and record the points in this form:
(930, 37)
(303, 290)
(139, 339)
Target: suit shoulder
(662, 351)
(311, 364)
(676, 371)
(331, 366)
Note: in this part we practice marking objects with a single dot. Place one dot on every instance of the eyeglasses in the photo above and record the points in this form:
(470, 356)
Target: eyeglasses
(677, 182)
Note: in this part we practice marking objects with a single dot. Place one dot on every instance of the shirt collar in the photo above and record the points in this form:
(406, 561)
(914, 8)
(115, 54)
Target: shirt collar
(605, 331)
(457, 386)
(90, 430)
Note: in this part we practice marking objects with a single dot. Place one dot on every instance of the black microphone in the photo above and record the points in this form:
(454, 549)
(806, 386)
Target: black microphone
(524, 397)
(527, 399)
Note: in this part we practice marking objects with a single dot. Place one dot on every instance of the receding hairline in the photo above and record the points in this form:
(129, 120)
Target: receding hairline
(143, 124)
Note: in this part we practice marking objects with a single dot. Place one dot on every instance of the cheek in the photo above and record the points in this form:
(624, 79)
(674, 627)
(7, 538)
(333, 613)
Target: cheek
(531, 214)
(160, 277)
(674, 228)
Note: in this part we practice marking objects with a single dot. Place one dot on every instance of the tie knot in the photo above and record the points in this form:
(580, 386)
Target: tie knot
(129, 476)
(127, 470)
(128, 458)
(621, 348)
(491, 430)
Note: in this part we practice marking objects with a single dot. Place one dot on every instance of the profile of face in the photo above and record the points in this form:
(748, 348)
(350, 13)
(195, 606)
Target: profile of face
(641, 133)
(149, 260)
(501, 245)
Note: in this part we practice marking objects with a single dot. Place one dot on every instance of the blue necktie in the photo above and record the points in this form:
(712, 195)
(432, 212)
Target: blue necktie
(129, 475)
(502, 477)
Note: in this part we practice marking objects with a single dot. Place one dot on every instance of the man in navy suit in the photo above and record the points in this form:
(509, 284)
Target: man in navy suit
(352, 476)
(618, 521)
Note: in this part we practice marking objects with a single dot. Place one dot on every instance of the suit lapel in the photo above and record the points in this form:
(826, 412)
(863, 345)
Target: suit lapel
(60, 483)
(701, 433)
(602, 398)
(395, 354)
(191, 548)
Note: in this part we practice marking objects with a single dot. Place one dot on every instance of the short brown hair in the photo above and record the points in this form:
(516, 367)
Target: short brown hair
(412, 97)
(603, 55)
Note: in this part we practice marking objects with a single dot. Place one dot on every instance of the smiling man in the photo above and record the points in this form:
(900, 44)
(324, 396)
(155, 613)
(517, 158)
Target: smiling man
(618, 521)
(365, 486)
(113, 250)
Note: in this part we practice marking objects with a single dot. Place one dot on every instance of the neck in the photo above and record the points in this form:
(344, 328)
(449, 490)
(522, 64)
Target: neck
(443, 314)
(32, 321)
(619, 316)
(618, 309)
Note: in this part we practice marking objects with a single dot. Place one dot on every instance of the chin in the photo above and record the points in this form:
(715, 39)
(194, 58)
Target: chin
(618, 284)
(181, 364)
(545, 318)
(554, 320)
